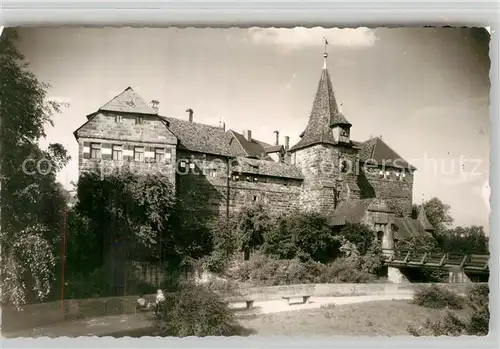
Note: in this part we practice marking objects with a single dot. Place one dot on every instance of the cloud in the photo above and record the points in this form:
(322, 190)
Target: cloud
(288, 85)
(300, 37)
(463, 179)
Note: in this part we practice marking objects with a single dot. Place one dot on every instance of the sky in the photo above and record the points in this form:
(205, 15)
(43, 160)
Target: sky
(424, 90)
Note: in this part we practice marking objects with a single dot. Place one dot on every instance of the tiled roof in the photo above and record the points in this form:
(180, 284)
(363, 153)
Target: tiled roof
(200, 137)
(129, 102)
(423, 220)
(351, 211)
(407, 227)
(339, 119)
(267, 168)
(324, 115)
(209, 139)
(273, 149)
(354, 211)
(254, 149)
(377, 150)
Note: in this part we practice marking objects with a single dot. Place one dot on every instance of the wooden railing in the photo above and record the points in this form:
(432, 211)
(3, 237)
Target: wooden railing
(472, 262)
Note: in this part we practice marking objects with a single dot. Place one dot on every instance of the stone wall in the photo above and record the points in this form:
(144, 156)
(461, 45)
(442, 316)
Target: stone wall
(397, 191)
(203, 183)
(277, 194)
(104, 125)
(151, 133)
(325, 185)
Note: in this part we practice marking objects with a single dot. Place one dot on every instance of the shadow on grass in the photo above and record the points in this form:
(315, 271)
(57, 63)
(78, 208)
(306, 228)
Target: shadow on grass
(236, 330)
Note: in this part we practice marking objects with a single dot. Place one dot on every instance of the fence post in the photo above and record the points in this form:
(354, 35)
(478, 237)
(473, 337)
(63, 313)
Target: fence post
(407, 257)
(422, 261)
(443, 259)
(486, 265)
(463, 261)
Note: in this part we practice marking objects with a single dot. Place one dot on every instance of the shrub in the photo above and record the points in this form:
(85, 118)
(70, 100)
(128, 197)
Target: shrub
(437, 297)
(360, 235)
(343, 270)
(303, 236)
(478, 300)
(224, 242)
(195, 311)
(262, 270)
(450, 324)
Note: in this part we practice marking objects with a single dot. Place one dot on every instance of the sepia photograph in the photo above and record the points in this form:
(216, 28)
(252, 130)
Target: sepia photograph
(177, 182)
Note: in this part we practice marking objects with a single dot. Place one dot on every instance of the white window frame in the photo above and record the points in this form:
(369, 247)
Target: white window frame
(138, 151)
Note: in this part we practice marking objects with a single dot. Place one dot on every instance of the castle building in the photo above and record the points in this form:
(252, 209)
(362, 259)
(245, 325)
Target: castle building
(220, 171)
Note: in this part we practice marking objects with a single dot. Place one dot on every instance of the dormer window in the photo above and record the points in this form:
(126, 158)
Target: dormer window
(343, 135)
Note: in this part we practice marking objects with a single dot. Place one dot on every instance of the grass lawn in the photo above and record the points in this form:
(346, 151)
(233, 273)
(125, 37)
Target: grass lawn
(377, 318)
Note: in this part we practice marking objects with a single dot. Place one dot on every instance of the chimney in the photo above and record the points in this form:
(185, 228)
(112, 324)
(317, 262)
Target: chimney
(287, 143)
(277, 137)
(191, 112)
(248, 135)
(154, 104)
(224, 126)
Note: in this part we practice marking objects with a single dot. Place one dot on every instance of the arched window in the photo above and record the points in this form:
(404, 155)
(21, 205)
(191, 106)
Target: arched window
(343, 165)
(380, 235)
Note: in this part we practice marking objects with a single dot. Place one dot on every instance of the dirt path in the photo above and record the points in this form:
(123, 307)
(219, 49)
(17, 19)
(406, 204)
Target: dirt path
(277, 306)
(140, 324)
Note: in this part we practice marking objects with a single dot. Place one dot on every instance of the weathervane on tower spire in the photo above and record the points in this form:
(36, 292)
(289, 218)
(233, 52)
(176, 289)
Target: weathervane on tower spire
(325, 55)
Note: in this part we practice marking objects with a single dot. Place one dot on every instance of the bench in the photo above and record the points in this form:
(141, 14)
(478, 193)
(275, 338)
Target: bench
(248, 301)
(305, 298)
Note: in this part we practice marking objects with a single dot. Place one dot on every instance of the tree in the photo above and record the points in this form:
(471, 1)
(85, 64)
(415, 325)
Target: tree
(252, 223)
(136, 217)
(31, 199)
(418, 243)
(438, 213)
(224, 243)
(360, 235)
(464, 240)
(306, 236)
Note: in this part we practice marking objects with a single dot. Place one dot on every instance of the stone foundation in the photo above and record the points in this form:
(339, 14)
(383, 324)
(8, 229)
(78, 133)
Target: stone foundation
(395, 276)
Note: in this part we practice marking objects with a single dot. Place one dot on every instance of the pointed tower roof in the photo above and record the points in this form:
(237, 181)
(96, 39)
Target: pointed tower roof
(129, 102)
(325, 114)
(423, 220)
